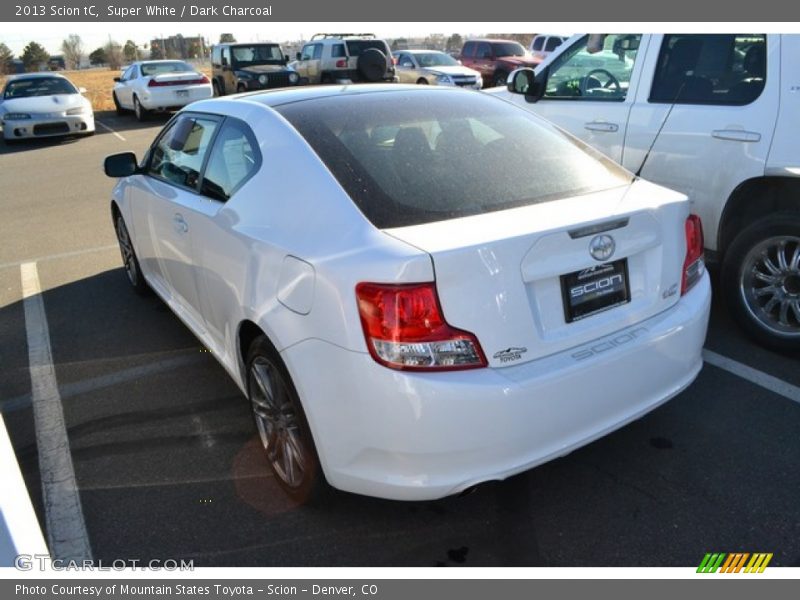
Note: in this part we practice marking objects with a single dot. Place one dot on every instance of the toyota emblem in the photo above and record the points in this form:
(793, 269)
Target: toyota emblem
(602, 247)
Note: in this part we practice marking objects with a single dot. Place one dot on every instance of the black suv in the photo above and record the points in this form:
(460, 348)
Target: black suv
(243, 67)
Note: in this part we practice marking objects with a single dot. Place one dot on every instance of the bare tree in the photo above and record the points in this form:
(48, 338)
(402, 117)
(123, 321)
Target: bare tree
(113, 55)
(72, 49)
(6, 56)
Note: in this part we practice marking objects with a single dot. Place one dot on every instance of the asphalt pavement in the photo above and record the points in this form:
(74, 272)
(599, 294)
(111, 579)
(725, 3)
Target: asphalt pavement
(168, 465)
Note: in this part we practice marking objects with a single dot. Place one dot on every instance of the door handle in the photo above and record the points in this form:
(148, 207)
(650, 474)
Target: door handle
(601, 126)
(736, 135)
(179, 223)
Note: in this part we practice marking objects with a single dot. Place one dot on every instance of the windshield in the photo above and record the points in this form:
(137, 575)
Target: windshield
(417, 156)
(435, 59)
(257, 54)
(38, 86)
(508, 49)
(177, 66)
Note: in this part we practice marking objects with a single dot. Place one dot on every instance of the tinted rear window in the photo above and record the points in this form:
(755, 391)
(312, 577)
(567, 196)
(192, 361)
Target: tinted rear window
(412, 157)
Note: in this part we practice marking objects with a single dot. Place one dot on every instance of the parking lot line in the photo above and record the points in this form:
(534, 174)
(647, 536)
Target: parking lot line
(66, 528)
(39, 259)
(768, 382)
(107, 128)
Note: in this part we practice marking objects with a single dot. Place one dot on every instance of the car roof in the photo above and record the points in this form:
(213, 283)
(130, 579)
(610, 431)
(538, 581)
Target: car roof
(422, 51)
(248, 44)
(490, 40)
(40, 75)
(282, 96)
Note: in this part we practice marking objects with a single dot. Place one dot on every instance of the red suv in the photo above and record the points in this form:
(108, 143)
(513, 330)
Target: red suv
(495, 59)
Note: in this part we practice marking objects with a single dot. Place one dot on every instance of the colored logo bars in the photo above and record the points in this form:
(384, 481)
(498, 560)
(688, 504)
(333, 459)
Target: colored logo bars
(734, 563)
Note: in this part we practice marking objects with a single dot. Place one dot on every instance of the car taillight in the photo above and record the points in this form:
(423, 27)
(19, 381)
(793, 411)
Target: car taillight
(341, 63)
(198, 81)
(693, 265)
(405, 329)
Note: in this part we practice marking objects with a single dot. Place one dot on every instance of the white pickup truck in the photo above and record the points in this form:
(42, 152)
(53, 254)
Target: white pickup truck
(716, 116)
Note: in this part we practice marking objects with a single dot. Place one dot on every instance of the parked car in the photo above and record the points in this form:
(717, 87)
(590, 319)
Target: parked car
(246, 67)
(428, 257)
(44, 105)
(345, 57)
(713, 116)
(495, 59)
(158, 86)
(434, 68)
(543, 44)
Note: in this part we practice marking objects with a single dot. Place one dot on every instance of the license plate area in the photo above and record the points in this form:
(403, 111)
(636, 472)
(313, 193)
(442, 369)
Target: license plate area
(594, 290)
(182, 93)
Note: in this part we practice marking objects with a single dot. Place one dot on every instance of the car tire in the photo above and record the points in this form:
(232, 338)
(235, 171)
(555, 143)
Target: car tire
(117, 105)
(130, 262)
(761, 280)
(282, 425)
(241, 88)
(215, 87)
(140, 111)
(422, 81)
(500, 79)
(372, 64)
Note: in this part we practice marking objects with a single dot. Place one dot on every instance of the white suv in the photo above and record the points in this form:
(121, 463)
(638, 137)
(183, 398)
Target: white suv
(345, 58)
(713, 116)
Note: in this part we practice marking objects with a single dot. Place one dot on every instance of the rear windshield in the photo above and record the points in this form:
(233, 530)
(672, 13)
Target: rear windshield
(356, 47)
(159, 68)
(38, 86)
(418, 156)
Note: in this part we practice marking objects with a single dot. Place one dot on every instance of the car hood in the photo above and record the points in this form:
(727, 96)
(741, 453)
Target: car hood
(260, 69)
(521, 61)
(454, 70)
(43, 104)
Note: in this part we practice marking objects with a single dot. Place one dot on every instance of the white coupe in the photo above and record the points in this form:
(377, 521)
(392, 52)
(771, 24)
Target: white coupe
(35, 105)
(418, 289)
(159, 85)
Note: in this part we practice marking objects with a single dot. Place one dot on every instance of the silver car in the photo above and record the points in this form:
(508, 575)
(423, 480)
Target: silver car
(435, 68)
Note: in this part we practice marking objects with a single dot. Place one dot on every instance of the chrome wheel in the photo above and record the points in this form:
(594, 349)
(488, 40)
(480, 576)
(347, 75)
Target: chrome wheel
(126, 250)
(277, 422)
(769, 284)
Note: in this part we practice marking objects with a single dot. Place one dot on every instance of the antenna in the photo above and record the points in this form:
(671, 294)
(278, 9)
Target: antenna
(660, 129)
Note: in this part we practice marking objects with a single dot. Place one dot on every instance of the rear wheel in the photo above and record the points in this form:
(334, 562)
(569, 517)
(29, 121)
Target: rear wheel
(761, 280)
(215, 86)
(140, 111)
(241, 88)
(117, 105)
(282, 425)
(129, 260)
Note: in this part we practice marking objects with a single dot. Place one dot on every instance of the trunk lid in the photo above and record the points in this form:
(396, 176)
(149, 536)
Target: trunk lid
(499, 274)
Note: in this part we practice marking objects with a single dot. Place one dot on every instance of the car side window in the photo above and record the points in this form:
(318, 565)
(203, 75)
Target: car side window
(484, 50)
(717, 69)
(308, 52)
(337, 51)
(317, 51)
(469, 50)
(552, 43)
(128, 74)
(405, 61)
(537, 43)
(234, 158)
(596, 67)
(178, 154)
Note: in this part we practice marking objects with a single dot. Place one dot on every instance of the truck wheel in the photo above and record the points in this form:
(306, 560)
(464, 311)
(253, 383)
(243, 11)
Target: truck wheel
(217, 91)
(761, 280)
(500, 79)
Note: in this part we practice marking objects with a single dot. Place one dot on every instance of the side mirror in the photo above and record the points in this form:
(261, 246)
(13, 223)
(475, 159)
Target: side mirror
(298, 55)
(116, 80)
(285, 58)
(530, 84)
(121, 165)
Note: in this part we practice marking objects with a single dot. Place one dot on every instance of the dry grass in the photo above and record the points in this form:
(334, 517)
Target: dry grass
(98, 84)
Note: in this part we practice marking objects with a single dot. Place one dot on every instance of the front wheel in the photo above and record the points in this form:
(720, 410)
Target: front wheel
(282, 425)
(500, 79)
(129, 260)
(761, 280)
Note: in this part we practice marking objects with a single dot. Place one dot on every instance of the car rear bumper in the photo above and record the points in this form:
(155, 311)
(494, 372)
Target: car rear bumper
(169, 98)
(420, 436)
(41, 127)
